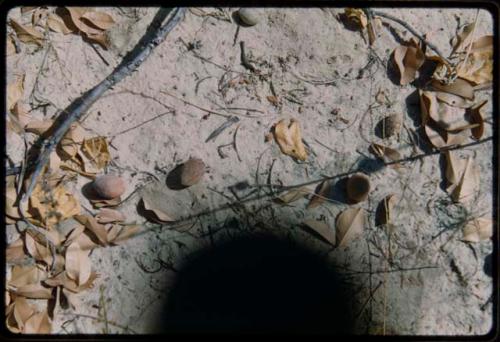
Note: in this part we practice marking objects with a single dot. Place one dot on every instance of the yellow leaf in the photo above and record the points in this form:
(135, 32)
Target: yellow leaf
(27, 34)
(78, 265)
(478, 230)
(289, 139)
(350, 225)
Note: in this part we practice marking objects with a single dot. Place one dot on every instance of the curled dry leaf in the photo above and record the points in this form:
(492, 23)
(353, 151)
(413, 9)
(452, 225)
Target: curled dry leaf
(154, 213)
(467, 186)
(293, 195)
(78, 265)
(91, 31)
(462, 39)
(391, 125)
(104, 203)
(107, 215)
(454, 167)
(384, 210)
(440, 138)
(34, 291)
(477, 230)
(449, 118)
(56, 24)
(478, 67)
(15, 91)
(15, 251)
(322, 193)
(458, 87)
(358, 187)
(289, 139)
(476, 117)
(120, 233)
(39, 323)
(350, 225)
(11, 47)
(357, 16)
(27, 34)
(408, 58)
(24, 275)
(71, 142)
(62, 279)
(385, 153)
(38, 127)
(93, 226)
(453, 100)
(38, 15)
(100, 20)
(20, 312)
(322, 229)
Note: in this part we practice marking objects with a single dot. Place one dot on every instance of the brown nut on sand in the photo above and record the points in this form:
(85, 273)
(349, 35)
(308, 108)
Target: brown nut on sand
(192, 171)
(109, 186)
(358, 187)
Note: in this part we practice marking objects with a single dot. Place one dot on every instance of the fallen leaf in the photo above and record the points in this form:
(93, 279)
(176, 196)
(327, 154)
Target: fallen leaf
(477, 230)
(293, 195)
(408, 58)
(384, 210)
(466, 188)
(20, 312)
(322, 229)
(95, 154)
(70, 299)
(478, 67)
(71, 142)
(453, 100)
(154, 213)
(78, 265)
(62, 279)
(322, 193)
(458, 87)
(20, 111)
(454, 167)
(96, 228)
(107, 215)
(99, 38)
(100, 20)
(15, 251)
(27, 34)
(56, 24)
(476, 117)
(357, 16)
(462, 39)
(381, 96)
(289, 139)
(104, 203)
(15, 91)
(274, 100)
(124, 233)
(449, 118)
(11, 47)
(34, 291)
(350, 225)
(24, 275)
(39, 323)
(38, 16)
(76, 14)
(73, 235)
(11, 208)
(38, 127)
(385, 153)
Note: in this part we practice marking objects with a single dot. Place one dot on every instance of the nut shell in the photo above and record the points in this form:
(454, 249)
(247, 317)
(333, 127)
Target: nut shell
(192, 171)
(109, 186)
(248, 16)
(358, 187)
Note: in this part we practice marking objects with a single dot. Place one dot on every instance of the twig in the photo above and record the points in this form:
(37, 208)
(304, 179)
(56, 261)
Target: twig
(139, 125)
(99, 54)
(409, 28)
(229, 122)
(153, 37)
(234, 143)
(244, 60)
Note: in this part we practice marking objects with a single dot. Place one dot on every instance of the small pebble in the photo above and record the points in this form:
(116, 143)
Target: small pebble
(248, 16)
(109, 186)
(192, 171)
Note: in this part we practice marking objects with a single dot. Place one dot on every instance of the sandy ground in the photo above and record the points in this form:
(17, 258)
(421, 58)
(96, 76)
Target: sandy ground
(289, 46)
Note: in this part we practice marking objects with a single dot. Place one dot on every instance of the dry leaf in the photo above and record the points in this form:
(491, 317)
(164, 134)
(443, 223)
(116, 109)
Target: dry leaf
(289, 139)
(381, 96)
(466, 188)
(478, 68)
(15, 251)
(385, 153)
(453, 100)
(11, 208)
(24, 275)
(20, 112)
(100, 20)
(459, 87)
(322, 193)
(293, 195)
(449, 118)
(70, 299)
(323, 229)
(477, 230)
(78, 265)
(38, 127)
(350, 225)
(34, 291)
(40, 251)
(39, 323)
(408, 58)
(106, 215)
(463, 39)
(15, 91)
(476, 117)
(384, 210)
(154, 213)
(11, 47)
(356, 16)
(38, 16)
(56, 24)
(70, 143)
(54, 206)
(62, 279)
(96, 228)
(274, 100)
(439, 138)
(123, 233)
(95, 154)
(27, 34)
(25, 9)
(76, 14)
(454, 167)
(103, 203)
(20, 312)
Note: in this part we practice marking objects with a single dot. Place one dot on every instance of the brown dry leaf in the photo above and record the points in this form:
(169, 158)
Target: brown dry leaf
(321, 194)
(25, 9)
(356, 16)
(449, 118)
(38, 127)
(454, 167)
(350, 225)
(54, 206)
(453, 100)
(62, 279)
(20, 111)
(20, 312)
(107, 215)
(476, 117)
(274, 100)
(477, 230)
(96, 228)
(462, 39)
(478, 68)
(384, 211)
(99, 38)
(408, 58)
(100, 20)
(323, 229)
(34, 291)
(381, 96)
(38, 16)
(27, 34)
(71, 142)
(439, 138)
(95, 154)
(293, 195)
(124, 233)
(15, 251)
(466, 188)
(154, 213)
(24, 275)
(11, 47)
(76, 14)
(40, 251)
(428, 105)
(15, 91)
(289, 139)
(103, 203)
(39, 323)
(459, 87)
(385, 153)
(56, 24)
(78, 264)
